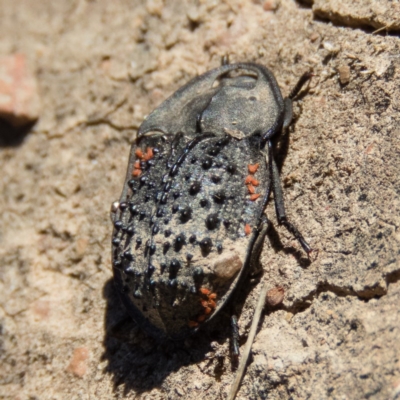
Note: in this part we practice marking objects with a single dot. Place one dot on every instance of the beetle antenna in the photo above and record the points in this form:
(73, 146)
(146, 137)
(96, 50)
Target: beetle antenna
(225, 59)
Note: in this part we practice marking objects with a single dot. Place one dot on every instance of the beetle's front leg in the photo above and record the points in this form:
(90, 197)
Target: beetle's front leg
(288, 113)
(279, 203)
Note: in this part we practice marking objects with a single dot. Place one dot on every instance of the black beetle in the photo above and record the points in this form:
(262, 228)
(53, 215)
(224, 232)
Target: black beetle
(189, 223)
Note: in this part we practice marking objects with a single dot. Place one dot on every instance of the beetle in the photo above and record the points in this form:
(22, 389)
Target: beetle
(190, 221)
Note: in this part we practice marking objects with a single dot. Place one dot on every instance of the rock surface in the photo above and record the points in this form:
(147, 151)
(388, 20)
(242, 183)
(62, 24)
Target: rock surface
(19, 98)
(64, 334)
(377, 14)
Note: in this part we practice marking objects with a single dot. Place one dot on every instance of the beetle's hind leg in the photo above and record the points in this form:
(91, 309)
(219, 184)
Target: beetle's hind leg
(279, 203)
(258, 244)
(235, 338)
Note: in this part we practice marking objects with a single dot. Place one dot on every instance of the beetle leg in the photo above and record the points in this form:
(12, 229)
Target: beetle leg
(288, 115)
(279, 204)
(288, 112)
(300, 83)
(235, 338)
(258, 244)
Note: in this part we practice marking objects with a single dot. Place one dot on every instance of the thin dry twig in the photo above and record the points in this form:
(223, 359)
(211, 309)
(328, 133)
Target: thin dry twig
(249, 343)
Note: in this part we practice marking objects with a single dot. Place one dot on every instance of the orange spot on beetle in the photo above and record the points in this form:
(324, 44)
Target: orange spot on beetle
(250, 180)
(251, 189)
(212, 296)
(136, 172)
(137, 165)
(253, 168)
(205, 291)
(207, 310)
(255, 182)
(212, 304)
(149, 154)
(255, 196)
(193, 324)
(247, 229)
(204, 303)
(139, 153)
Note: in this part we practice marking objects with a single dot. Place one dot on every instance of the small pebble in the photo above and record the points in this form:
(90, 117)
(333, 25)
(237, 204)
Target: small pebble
(275, 296)
(344, 74)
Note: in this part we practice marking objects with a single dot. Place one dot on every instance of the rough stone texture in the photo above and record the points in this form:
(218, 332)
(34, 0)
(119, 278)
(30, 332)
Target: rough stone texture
(101, 67)
(377, 14)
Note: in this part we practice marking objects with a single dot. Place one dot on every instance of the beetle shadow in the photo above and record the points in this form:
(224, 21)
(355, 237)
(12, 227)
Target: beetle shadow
(11, 136)
(139, 362)
(135, 360)
(277, 245)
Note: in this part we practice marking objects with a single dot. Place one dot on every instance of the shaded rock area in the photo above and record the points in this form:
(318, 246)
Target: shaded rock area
(102, 66)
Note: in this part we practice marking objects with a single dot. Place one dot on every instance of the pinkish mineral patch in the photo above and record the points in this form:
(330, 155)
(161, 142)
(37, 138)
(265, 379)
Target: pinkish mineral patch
(19, 99)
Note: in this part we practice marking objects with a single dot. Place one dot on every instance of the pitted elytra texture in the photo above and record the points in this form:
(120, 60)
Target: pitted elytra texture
(189, 222)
